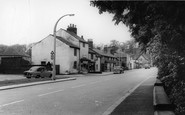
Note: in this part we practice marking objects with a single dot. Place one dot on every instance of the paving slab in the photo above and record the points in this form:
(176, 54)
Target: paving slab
(140, 102)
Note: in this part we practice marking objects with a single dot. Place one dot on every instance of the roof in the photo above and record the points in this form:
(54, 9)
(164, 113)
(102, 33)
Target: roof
(146, 56)
(12, 52)
(103, 53)
(76, 36)
(92, 51)
(67, 42)
(120, 54)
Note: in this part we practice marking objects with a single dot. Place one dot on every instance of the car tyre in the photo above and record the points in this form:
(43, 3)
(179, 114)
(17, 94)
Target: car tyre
(50, 75)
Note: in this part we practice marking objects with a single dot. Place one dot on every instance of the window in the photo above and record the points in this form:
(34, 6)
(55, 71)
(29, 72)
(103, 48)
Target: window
(75, 65)
(96, 66)
(91, 56)
(83, 44)
(43, 62)
(75, 52)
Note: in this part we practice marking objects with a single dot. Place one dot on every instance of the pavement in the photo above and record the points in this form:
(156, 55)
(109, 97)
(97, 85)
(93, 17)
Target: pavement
(139, 102)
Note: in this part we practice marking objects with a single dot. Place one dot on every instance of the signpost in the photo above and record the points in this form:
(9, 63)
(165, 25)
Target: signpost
(52, 55)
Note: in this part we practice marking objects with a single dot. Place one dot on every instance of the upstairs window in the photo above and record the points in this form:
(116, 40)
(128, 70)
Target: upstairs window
(75, 52)
(91, 56)
(83, 44)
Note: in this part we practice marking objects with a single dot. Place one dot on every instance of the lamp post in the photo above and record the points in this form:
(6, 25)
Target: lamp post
(54, 33)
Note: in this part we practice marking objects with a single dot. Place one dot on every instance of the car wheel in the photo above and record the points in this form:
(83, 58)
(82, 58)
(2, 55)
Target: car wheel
(50, 75)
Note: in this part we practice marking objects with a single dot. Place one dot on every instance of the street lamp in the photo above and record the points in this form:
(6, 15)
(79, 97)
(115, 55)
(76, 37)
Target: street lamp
(54, 33)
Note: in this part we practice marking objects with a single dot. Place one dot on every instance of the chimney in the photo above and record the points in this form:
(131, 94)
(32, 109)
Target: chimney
(90, 42)
(82, 37)
(72, 28)
(105, 48)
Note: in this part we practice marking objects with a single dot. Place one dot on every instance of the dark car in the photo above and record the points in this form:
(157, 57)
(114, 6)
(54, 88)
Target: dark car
(118, 69)
(37, 71)
(147, 66)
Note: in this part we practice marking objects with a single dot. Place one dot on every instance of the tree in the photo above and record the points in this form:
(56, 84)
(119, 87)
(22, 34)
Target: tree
(158, 26)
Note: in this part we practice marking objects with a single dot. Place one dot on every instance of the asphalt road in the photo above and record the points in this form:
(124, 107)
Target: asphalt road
(88, 95)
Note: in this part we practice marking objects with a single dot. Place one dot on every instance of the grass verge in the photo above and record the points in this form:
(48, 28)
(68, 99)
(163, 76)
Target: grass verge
(24, 80)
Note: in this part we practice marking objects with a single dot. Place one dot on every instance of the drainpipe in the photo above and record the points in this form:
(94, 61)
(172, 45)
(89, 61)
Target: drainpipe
(79, 58)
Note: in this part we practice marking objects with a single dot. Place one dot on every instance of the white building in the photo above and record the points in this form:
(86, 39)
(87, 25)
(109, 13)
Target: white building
(85, 61)
(67, 54)
(72, 53)
(71, 35)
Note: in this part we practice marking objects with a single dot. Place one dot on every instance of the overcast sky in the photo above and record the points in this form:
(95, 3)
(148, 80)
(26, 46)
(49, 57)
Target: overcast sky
(28, 21)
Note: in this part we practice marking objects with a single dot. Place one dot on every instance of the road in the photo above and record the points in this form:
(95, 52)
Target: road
(88, 95)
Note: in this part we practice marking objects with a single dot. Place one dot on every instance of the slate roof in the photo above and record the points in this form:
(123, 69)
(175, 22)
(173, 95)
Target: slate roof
(12, 52)
(92, 51)
(76, 36)
(145, 56)
(136, 56)
(67, 42)
(103, 53)
(120, 54)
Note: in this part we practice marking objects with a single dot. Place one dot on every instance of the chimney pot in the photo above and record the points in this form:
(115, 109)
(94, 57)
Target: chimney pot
(90, 42)
(72, 28)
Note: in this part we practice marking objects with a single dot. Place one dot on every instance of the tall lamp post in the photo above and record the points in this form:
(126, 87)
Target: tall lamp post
(54, 33)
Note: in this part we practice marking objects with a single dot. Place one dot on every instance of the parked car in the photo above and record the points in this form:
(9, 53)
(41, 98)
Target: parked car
(118, 69)
(147, 66)
(37, 71)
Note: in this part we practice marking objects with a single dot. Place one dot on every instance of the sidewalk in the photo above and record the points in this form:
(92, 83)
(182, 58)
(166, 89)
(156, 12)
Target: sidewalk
(140, 102)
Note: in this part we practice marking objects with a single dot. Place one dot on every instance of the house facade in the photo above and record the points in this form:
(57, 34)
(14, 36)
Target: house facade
(67, 43)
(142, 59)
(71, 35)
(139, 60)
(94, 64)
(107, 60)
(67, 54)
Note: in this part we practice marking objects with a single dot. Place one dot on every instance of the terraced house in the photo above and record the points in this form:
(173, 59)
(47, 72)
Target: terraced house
(72, 52)
(67, 54)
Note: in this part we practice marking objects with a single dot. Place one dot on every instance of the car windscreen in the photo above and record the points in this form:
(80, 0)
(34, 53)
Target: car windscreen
(33, 68)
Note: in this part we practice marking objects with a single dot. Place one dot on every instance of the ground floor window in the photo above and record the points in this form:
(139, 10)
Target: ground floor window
(96, 66)
(75, 65)
(43, 62)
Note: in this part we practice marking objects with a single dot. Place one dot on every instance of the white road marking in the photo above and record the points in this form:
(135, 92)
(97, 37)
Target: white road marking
(78, 86)
(95, 82)
(100, 81)
(11, 103)
(111, 108)
(50, 93)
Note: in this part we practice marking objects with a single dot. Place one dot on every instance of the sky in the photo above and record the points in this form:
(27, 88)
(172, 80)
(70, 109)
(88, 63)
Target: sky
(29, 21)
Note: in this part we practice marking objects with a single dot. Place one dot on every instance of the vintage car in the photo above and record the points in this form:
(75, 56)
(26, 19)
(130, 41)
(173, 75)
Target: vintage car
(147, 66)
(37, 71)
(118, 69)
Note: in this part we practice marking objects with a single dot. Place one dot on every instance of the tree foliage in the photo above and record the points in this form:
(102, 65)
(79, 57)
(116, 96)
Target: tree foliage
(159, 27)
